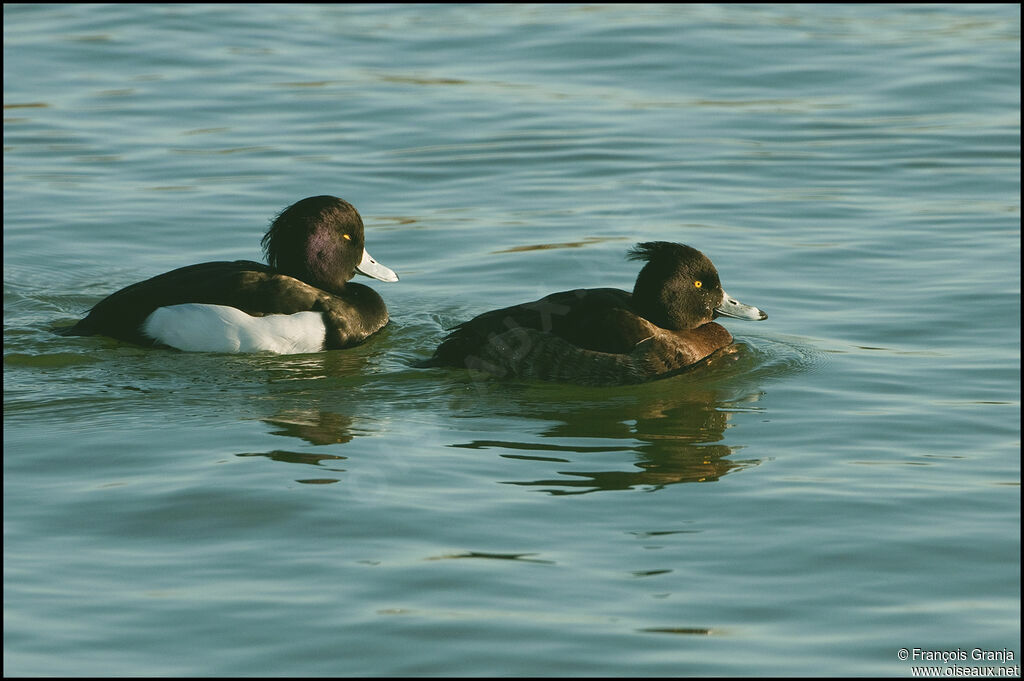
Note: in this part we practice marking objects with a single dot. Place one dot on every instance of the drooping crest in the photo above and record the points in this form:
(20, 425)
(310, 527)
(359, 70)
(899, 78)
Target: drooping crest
(655, 250)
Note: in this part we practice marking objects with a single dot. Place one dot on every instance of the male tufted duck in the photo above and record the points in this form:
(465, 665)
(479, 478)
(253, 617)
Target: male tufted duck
(301, 302)
(606, 336)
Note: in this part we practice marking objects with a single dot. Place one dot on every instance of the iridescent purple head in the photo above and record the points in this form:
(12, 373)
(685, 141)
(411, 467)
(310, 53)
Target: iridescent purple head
(319, 240)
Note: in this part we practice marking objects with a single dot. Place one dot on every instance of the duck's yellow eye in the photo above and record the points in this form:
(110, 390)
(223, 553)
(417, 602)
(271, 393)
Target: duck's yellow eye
(697, 284)
(346, 237)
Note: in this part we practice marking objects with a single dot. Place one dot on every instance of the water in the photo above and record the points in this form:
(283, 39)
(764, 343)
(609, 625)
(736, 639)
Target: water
(843, 485)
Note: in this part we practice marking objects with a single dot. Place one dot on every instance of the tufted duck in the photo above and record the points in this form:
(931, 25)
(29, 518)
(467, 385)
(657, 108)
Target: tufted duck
(301, 302)
(606, 336)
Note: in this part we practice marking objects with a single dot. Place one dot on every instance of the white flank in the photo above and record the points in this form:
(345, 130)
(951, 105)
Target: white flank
(197, 327)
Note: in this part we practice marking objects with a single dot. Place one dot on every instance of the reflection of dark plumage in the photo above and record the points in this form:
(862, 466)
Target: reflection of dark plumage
(604, 336)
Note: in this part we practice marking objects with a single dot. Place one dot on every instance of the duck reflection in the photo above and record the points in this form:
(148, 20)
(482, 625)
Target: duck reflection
(299, 457)
(674, 440)
(556, 438)
(315, 427)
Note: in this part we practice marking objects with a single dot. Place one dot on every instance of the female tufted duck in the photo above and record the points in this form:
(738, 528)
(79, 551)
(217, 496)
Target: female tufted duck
(606, 336)
(301, 302)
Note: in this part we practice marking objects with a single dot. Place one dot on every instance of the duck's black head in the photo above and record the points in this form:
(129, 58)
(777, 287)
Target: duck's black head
(320, 240)
(679, 288)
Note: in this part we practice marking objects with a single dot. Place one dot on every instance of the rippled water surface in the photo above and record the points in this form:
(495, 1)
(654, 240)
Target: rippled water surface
(842, 484)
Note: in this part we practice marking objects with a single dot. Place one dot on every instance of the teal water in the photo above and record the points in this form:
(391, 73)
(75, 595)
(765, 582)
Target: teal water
(843, 485)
